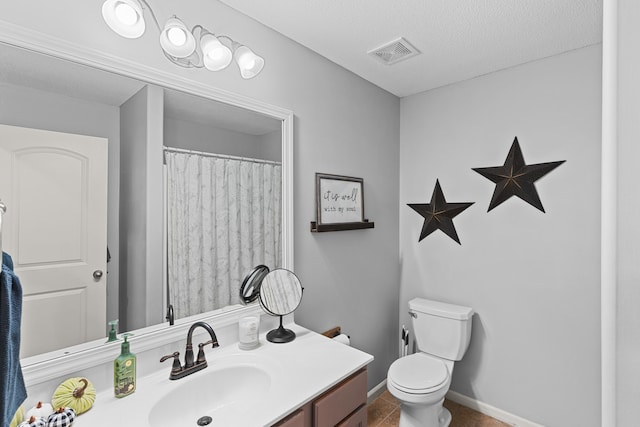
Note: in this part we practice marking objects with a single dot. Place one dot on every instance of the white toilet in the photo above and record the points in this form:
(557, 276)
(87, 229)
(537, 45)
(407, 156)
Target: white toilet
(420, 381)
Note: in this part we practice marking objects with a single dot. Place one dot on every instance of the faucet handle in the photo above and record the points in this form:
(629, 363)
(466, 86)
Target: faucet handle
(177, 367)
(201, 359)
(213, 343)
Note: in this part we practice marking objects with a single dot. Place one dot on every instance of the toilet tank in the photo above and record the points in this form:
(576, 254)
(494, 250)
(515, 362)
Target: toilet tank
(441, 329)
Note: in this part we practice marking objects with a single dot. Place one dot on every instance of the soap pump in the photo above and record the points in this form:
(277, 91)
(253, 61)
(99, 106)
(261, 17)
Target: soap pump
(113, 334)
(124, 370)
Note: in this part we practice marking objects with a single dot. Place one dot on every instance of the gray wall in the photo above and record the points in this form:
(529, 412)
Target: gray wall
(27, 107)
(141, 201)
(532, 278)
(270, 145)
(199, 137)
(343, 125)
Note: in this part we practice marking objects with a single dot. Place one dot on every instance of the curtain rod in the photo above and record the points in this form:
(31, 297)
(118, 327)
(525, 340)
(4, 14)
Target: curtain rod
(219, 156)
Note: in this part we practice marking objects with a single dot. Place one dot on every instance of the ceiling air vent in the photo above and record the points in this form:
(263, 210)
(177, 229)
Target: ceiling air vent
(395, 51)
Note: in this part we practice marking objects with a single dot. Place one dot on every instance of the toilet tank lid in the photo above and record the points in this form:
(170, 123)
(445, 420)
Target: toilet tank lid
(441, 309)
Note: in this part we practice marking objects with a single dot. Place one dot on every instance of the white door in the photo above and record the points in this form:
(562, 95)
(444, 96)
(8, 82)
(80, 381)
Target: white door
(55, 229)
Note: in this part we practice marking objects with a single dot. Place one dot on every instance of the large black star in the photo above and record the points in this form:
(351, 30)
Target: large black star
(439, 214)
(515, 178)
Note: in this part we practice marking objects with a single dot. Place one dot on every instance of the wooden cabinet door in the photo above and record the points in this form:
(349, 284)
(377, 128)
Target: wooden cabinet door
(341, 401)
(294, 420)
(357, 419)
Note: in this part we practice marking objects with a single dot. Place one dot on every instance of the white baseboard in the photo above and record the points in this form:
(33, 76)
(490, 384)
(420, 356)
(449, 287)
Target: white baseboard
(376, 391)
(489, 410)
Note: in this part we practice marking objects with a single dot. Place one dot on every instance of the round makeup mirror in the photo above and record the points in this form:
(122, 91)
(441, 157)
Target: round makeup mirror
(280, 294)
(250, 288)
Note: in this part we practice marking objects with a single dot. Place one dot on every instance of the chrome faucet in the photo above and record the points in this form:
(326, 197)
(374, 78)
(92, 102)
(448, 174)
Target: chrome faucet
(177, 370)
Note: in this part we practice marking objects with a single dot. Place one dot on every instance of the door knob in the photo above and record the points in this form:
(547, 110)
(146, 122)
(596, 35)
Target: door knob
(97, 274)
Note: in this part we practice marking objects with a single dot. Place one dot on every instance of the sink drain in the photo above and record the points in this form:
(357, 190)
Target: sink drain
(204, 421)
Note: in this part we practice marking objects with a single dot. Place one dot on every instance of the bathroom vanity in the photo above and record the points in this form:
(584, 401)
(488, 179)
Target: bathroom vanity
(311, 381)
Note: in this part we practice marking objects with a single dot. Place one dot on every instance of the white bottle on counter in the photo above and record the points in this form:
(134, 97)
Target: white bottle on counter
(248, 328)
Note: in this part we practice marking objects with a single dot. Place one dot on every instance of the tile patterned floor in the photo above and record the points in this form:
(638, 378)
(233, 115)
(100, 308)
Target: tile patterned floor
(384, 411)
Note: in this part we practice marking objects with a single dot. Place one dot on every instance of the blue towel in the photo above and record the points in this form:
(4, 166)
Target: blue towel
(6, 260)
(12, 389)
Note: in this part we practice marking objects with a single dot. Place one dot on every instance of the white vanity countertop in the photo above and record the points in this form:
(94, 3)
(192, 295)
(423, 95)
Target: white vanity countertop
(296, 373)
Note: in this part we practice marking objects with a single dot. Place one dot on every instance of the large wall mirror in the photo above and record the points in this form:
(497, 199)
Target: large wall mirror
(134, 120)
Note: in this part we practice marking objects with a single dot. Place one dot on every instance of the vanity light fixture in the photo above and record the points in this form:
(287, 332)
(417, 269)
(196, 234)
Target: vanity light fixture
(195, 48)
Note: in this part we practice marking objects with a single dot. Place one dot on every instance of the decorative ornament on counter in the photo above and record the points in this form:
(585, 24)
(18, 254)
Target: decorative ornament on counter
(439, 214)
(75, 393)
(63, 417)
(34, 421)
(515, 178)
(41, 410)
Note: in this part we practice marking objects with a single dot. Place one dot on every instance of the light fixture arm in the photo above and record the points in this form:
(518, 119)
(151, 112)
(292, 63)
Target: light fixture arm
(222, 36)
(153, 15)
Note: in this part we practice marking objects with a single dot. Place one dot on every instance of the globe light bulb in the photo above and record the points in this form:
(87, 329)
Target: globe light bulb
(177, 36)
(247, 61)
(126, 14)
(216, 55)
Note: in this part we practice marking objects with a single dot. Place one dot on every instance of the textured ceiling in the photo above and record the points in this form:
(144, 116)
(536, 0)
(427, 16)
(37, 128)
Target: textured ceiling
(458, 39)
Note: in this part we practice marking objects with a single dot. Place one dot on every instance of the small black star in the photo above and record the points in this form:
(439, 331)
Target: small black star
(439, 214)
(515, 178)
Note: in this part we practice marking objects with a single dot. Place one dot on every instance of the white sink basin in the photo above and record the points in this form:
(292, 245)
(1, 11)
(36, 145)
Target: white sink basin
(221, 394)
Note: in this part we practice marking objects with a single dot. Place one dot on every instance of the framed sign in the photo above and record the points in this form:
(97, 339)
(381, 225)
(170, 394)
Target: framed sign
(339, 203)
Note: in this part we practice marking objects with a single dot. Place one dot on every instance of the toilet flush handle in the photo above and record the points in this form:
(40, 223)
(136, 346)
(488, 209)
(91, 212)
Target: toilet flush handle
(412, 314)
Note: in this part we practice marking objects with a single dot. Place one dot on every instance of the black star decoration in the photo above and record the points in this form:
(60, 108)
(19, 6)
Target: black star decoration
(515, 178)
(439, 214)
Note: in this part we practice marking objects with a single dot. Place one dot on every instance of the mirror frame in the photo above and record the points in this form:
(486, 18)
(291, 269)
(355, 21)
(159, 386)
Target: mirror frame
(52, 365)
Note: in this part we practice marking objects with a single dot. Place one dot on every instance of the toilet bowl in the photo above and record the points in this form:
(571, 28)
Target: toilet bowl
(420, 381)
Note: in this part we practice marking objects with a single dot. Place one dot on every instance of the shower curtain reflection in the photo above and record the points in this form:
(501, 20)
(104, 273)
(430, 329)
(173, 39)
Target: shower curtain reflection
(224, 218)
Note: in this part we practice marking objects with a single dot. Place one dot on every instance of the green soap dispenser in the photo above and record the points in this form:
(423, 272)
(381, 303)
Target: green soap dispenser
(113, 334)
(124, 371)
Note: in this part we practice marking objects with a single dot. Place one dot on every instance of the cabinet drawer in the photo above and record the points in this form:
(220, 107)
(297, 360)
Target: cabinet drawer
(341, 401)
(294, 420)
(357, 419)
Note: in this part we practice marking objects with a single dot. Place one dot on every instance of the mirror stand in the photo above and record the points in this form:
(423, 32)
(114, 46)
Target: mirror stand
(280, 294)
(281, 335)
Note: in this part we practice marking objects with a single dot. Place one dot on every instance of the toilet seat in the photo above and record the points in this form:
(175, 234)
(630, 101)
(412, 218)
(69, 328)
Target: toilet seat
(418, 374)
